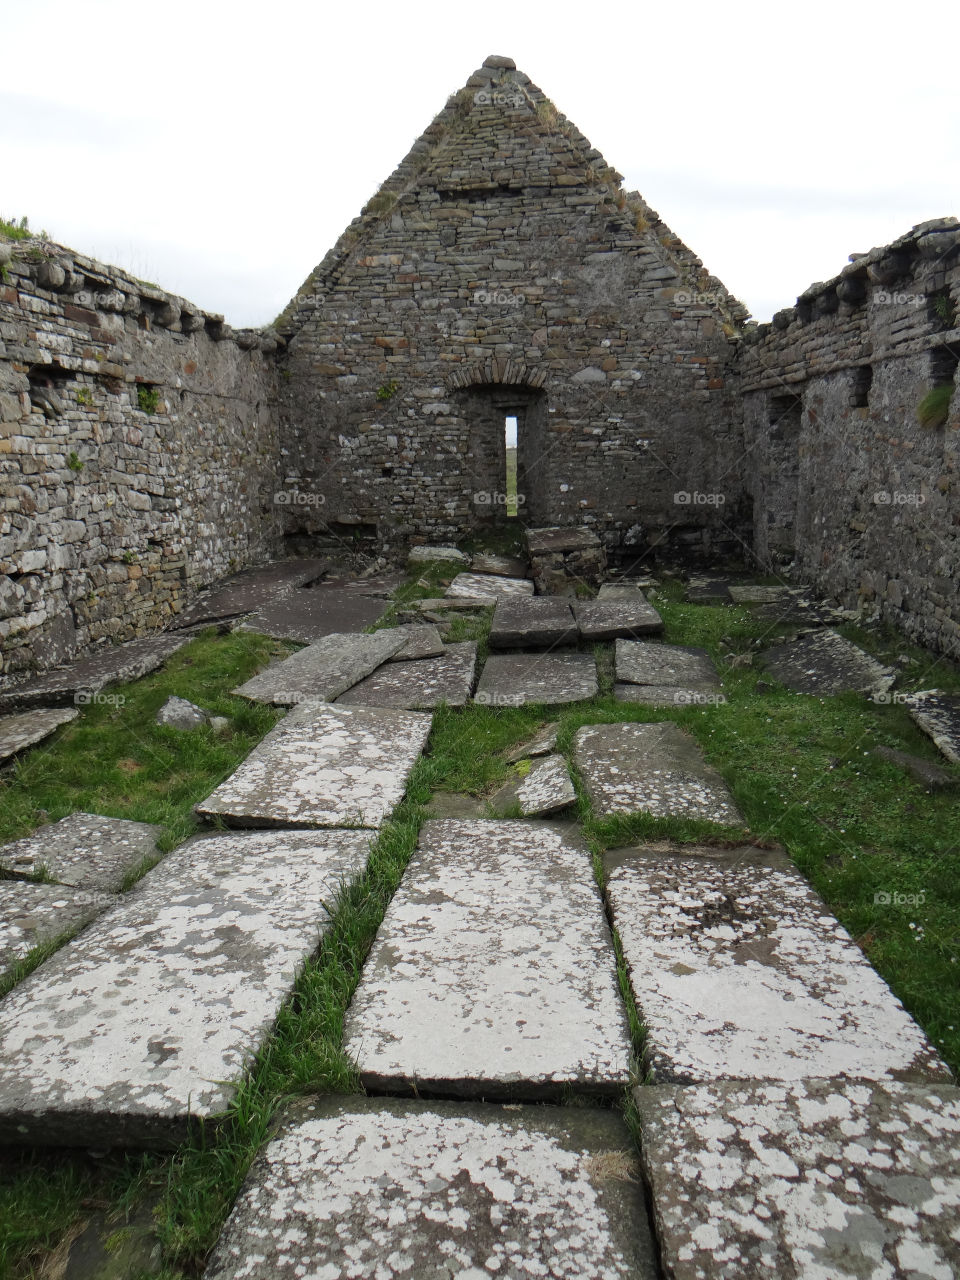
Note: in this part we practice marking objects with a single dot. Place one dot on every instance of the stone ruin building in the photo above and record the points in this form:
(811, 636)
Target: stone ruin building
(148, 449)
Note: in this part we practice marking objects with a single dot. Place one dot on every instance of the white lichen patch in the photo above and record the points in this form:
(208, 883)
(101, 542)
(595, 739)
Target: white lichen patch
(34, 913)
(646, 662)
(516, 679)
(421, 684)
(938, 715)
(493, 968)
(26, 728)
(83, 849)
(323, 669)
(741, 972)
(483, 586)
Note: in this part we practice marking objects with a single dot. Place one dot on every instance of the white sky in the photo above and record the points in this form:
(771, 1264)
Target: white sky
(219, 149)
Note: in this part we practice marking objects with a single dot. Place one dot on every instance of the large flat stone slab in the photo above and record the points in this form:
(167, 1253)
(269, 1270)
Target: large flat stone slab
(323, 766)
(487, 586)
(816, 1180)
(612, 619)
(433, 555)
(754, 593)
(493, 972)
(516, 679)
(542, 622)
(249, 590)
(938, 715)
(650, 768)
(669, 695)
(152, 1015)
(419, 685)
(306, 614)
(84, 849)
(389, 1188)
(709, 589)
(420, 640)
(31, 914)
(555, 540)
(323, 670)
(504, 566)
(643, 662)
(824, 663)
(80, 681)
(26, 728)
(739, 971)
(545, 789)
(624, 590)
(541, 744)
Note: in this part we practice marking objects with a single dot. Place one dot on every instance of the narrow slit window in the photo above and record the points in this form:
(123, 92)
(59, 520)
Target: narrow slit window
(510, 486)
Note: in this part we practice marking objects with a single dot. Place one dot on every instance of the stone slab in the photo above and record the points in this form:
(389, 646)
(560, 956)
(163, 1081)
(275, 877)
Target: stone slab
(493, 973)
(709, 590)
(938, 715)
(624, 590)
(420, 640)
(541, 744)
(452, 604)
(753, 593)
(323, 766)
(419, 685)
(429, 555)
(545, 789)
(612, 619)
(816, 1180)
(31, 914)
(323, 670)
(516, 679)
(84, 849)
(487, 586)
(153, 1014)
(650, 768)
(26, 728)
(308, 614)
(540, 622)
(669, 695)
(740, 972)
(77, 682)
(382, 584)
(824, 663)
(552, 540)
(925, 772)
(643, 662)
(391, 1188)
(249, 590)
(504, 566)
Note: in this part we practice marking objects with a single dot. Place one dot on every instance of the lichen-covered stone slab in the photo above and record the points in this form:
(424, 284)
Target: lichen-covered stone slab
(708, 590)
(488, 586)
(624, 590)
(250, 590)
(650, 768)
(79, 681)
(753, 593)
(306, 614)
(824, 663)
(493, 973)
(740, 971)
(611, 619)
(669, 695)
(419, 685)
(643, 662)
(816, 1180)
(323, 766)
(541, 744)
(420, 640)
(381, 1187)
(31, 914)
(430, 555)
(323, 670)
(546, 789)
(503, 566)
(523, 622)
(556, 539)
(516, 679)
(153, 1014)
(938, 715)
(26, 728)
(84, 849)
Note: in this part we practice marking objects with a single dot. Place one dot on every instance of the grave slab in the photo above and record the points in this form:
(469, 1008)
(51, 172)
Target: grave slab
(814, 1179)
(925, 772)
(555, 540)
(650, 768)
(669, 695)
(824, 663)
(542, 744)
(516, 679)
(487, 586)
(420, 685)
(78, 682)
(420, 640)
(357, 1187)
(532, 623)
(504, 566)
(740, 972)
(709, 590)
(612, 619)
(493, 972)
(624, 590)
(428, 555)
(27, 728)
(643, 662)
(753, 593)
(308, 614)
(323, 670)
(546, 789)
(152, 1015)
(938, 715)
(85, 850)
(323, 766)
(249, 590)
(31, 914)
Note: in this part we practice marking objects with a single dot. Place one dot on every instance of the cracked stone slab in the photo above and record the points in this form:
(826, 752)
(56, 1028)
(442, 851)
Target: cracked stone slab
(420, 640)
(85, 850)
(249, 590)
(643, 662)
(308, 614)
(669, 695)
(324, 766)
(503, 566)
(542, 744)
(740, 971)
(79, 681)
(493, 973)
(31, 914)
(420, 685)
(938, 715)
(487, 587)
(650, 768)
(153, 1014)
(27, 728)
(524, 622)
(361, 1187)
(611, 619)
(516, 679)
(323, 670)
(824, 663)
(545, 789)
(817, 1179)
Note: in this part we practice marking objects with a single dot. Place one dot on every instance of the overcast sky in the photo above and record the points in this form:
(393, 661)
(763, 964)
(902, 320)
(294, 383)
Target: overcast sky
(219, 149)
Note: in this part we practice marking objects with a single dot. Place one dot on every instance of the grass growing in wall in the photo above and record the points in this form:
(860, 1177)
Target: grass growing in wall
(934, 409)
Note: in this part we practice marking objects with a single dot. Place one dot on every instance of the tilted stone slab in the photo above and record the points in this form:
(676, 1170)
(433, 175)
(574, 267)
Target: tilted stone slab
(84, 849)
(532, 623)
(429, 555)
(546, 789)
(80, 681)
(624, 590)
(753, 593)
(643, 662)
(824, 663)
(504, 566)
(739, 971)
(419, 685)
(323, 670)
(31, 914)
(818, 1179)
(669, 695)
(420, 640)
(487, 586)
(390, 1188)
(27, 728)
(308, 614)
(554, 540)
(650, 768)
(323, 766)
(152, 1015)
(249, 590)
(542, 744)
(516, 679)
(493, 972)
(611, 619)
(938, 715)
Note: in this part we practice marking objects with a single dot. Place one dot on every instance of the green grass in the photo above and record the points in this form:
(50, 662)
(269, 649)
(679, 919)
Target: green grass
(19, 229)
